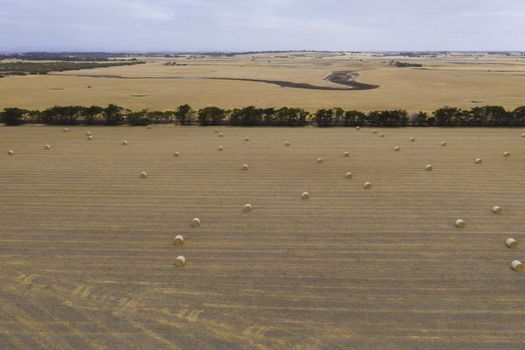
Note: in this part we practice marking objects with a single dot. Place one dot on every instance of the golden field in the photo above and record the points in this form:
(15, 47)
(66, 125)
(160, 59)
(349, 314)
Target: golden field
(462, 81)
(87, 254)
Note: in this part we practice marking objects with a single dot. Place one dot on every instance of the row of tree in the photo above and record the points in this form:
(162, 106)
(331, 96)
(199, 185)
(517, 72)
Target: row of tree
(253, 116)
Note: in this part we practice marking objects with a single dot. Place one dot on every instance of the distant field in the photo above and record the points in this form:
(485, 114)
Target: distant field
(86, 257)
(442, 80)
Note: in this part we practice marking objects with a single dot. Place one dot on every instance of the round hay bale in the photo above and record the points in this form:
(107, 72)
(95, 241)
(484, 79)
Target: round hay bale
(358, 128)
(220, 148)
(248, 208)
(305, 195)
(460, 223)
(178, 240)
(443, 143)
(90, 138)
(287, 143)
(124, 143)
(88, 133)
(149, 126)
(523, 135)
(348, 175)
(511, 243)
(346, 154)
(412, 139)
(396, 148)
(244, 167)
(221, 134)
(374, 131)
(180, 261)
(428, 167)
(381, 135)
(66, 129)
(506, 154)
(367, 185)
(143, 175)
(47, 147)
(196, 222)
(10, 152)
(216, 131)
(319, 160)
(496, 209)
(176, 154)
(246, 139)
(478, 161)
(516, 265)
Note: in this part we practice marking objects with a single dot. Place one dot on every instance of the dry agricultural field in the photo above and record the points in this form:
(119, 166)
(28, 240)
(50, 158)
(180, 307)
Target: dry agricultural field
(86, 244)
(456, 80)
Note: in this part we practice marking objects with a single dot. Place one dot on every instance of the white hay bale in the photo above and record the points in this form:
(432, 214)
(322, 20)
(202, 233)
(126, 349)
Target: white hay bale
(178, 240)
(196, 222)
(124, 143)
(319, 160)
(180, 261)
(246, 139)
(248, 208)
(381, 135)
(428, 167)
(287, 143)
(478, 161)
(511, 243)
(66, 129)
(523, 135)
(176, 154)
(216, 131)
(90, 137)
(358, 128)
(506, 154)
(88, 133)
(348, 175)
(367, 185)
(443, 143)
(149, 126)
(10, 152)
(516, 265)
(374, 131)
(396, 148)
(221, 134)
(220, 148)
(143, 175)
(305, 195)
(412, 139)
(244, 167)
(460, 223)
(496, 209)
(47, 147)
(346, 154)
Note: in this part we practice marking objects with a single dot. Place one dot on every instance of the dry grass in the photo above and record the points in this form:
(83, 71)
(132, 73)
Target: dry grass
(87, 255)
(447, 80)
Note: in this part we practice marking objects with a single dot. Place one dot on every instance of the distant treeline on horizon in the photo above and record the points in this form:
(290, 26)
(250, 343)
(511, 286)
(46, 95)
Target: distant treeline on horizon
(484, 116)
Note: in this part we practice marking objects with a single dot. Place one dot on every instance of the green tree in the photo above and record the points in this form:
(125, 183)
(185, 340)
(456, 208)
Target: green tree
(12, 116)
(324, 117)
(113, 114)
(211, 116)
(184, 114)
(138, 118)
(92, 114)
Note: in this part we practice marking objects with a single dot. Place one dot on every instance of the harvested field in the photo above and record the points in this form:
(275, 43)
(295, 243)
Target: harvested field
(306, 80)
(87, 259)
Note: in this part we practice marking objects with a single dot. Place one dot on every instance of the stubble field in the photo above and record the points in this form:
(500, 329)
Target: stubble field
(462, 81)
(87, 255)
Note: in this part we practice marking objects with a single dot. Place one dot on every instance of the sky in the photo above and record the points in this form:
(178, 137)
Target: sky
(255, 25)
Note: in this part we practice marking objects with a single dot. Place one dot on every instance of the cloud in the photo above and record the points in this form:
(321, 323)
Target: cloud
(137, 25)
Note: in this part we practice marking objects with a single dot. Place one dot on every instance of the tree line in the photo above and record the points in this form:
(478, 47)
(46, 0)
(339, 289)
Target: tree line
(488, 116)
